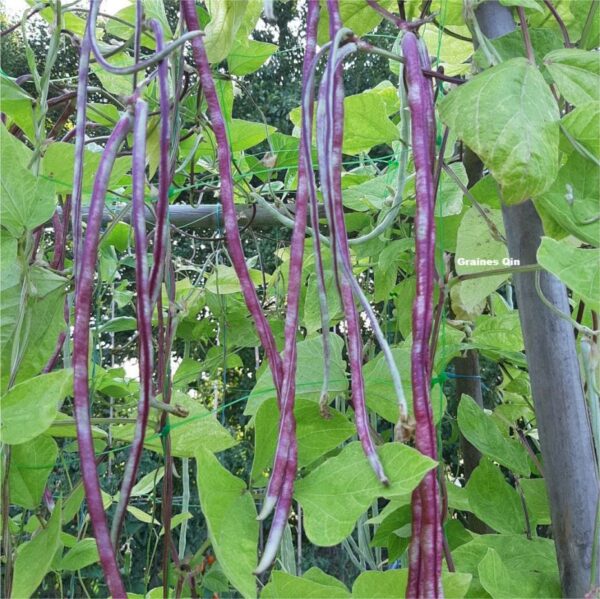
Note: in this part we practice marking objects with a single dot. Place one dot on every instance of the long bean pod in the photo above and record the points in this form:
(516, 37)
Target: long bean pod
(83, 302)
(425, 555)
(286, 436)
(164, 169)
(144, 315)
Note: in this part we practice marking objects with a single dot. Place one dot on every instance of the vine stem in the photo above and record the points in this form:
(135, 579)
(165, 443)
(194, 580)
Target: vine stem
(526, 35)
(158, 56)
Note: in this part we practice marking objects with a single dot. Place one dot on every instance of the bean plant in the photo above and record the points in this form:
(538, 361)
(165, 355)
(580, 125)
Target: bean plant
(129, 466)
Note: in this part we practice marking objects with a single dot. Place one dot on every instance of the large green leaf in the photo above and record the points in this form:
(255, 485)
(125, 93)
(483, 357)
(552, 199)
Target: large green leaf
(34, 557)
(392, 585)
(578, 177)
(481, 431)
(31, 464)
(301, 587)
(309, 375)
(501, 583)
(27, 200)
(316, 435)
(199, 429)
(366, 121)
(478, 249)
(577, 268)
(226, 16)
(517, 138)
(576, 73)
(535, 558)
(493, 500)
(334, 495)
(29, 408)
(231, 519)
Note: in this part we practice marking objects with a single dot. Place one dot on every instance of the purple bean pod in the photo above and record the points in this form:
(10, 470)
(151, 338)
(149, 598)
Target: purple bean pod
(144, 315)
(286, 435)
(308, 98)
(425, 556)
(234, 244)
(83, 303)
(330, 122)
(80, 122)
(282, 511)
(164, 170)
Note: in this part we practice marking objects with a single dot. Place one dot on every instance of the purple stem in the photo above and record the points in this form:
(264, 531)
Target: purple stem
(425, 554)
(286, 438)
(164, 171)
(144, 315)
(137, 66)
(234, 244)
(83, 303)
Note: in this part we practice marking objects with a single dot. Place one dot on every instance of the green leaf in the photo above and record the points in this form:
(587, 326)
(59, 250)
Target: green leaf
(334, 495)
(498, 333)
(296, 587)
(576, 73)
(493, 500)
(231, 519)
(199, 429)
(223, 280)
(57, 166)
(480, 430)
(248, 56)
(580, 177)
(29, 408)
(478, 249)
(517, 139)
(536, 498)
(83, 554)
(31, 464)
(453, 53)
(535, 558)
(501, 583)
(309, 379)
(142, 516)
(577, 268)
(148, 482)
(366, 121)
(356, 15)
(317, 575)
(392, 584)
(34, 557)
(533, 4)
(27, 200)
(316, 435)
(226, 16)
(583, 124)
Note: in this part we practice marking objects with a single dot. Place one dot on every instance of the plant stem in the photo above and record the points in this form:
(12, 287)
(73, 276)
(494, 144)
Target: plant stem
(525, 34)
